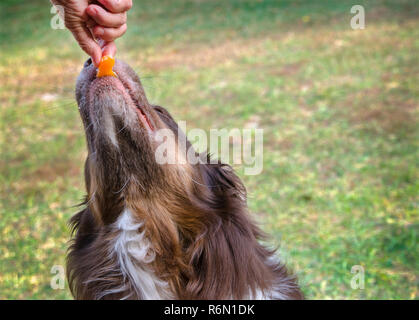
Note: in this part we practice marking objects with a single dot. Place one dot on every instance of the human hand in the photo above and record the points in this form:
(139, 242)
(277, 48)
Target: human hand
(101, 19)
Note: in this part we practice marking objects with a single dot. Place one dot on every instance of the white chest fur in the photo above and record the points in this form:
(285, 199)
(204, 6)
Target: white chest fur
(135, 253)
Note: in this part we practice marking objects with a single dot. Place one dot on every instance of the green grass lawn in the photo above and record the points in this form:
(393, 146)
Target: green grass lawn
(339, 109)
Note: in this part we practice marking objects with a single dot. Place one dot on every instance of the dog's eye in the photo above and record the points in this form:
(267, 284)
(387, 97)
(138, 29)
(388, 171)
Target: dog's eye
(88, 62)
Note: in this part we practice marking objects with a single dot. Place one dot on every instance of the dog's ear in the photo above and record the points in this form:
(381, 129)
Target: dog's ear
(238, 268)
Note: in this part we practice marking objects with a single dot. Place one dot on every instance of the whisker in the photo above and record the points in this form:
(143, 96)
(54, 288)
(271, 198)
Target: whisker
(128, 180)
(122, 128)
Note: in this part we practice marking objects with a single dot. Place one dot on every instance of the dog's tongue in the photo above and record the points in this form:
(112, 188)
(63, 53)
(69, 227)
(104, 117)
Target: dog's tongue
(105, 67)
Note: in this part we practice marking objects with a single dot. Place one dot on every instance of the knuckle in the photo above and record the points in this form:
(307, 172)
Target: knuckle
(124, 18)
(123, 30)
(87, 47)
(109, 35)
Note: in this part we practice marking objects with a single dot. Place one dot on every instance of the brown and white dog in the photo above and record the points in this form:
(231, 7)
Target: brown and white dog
(152, 231)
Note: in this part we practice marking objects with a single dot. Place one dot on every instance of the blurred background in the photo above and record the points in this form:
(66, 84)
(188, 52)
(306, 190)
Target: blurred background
(339, 109)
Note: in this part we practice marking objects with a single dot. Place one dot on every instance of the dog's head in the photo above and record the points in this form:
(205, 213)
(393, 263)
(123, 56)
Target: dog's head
(124, 139)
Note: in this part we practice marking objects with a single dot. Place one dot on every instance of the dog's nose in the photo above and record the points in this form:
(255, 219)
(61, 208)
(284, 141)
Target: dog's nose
(88, 63)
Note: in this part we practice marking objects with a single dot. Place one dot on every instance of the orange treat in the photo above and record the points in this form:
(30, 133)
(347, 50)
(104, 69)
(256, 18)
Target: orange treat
(105, 67)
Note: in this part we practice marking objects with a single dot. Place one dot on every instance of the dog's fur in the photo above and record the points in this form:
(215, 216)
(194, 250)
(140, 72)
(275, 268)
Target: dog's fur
(152, 231)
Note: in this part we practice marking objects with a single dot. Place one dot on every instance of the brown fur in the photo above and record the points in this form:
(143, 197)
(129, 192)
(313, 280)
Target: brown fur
(195, 216)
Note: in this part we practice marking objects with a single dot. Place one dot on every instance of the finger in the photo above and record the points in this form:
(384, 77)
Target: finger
(90, 23)
(87, 43)
(116, 6)
(105, 18)
(109, 49)
(109, 34)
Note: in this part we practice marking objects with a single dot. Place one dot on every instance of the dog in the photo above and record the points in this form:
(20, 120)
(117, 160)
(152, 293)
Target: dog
(160, 231)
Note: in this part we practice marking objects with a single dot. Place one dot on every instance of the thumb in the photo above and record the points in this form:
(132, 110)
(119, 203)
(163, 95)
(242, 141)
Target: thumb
(108, 48)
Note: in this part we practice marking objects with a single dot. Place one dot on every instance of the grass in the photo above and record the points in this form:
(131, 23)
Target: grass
(338, 108)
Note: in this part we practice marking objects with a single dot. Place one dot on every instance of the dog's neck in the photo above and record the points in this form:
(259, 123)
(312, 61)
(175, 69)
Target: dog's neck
(195, 245)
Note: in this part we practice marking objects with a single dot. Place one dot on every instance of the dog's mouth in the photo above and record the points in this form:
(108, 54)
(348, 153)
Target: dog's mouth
(124, 87)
